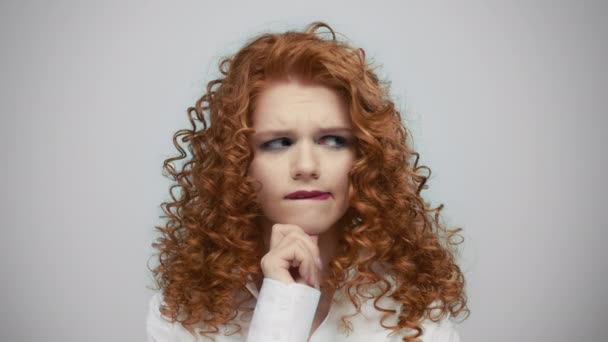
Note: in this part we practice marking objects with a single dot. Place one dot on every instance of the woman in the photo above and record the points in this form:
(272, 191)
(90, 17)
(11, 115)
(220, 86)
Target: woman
(299, 215)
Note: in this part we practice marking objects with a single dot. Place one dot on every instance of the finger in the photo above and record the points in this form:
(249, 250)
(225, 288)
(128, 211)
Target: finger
(310, 270)
(313, 274)
(311, 242)
(277, 234)
(296, 253)
(316, 265)
(280, 231)
(306, 274)
(315, 241)
(307, 268)
(310, 277)
(284, 236)
(276, 268)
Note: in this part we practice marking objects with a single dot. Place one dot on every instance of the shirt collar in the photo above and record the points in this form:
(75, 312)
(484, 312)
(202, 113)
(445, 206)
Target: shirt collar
(252, 288)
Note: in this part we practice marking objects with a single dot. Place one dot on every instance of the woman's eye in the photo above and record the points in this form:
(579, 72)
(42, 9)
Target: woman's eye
(335, 140)
(276, 143)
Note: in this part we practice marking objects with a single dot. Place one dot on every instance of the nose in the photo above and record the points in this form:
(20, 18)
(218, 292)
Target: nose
(305, 162)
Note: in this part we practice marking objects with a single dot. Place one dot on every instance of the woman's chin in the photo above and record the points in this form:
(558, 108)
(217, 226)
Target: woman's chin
(315, 231)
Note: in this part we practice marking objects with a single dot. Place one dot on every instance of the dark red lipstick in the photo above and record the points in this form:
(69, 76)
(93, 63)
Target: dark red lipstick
(302, 194)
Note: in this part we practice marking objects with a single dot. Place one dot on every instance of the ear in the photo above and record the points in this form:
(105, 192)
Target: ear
(351, 193)
(351, 218)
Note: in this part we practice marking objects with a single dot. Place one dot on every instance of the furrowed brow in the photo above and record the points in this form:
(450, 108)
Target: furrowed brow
(289, 132)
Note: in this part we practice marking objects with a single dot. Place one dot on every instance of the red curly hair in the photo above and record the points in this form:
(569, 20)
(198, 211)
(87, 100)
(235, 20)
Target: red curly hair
(211, 245)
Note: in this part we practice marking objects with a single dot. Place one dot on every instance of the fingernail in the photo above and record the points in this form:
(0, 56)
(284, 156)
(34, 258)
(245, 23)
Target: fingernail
(319, 263)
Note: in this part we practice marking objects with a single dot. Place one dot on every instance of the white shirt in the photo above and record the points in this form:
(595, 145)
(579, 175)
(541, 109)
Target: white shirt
(285, 313)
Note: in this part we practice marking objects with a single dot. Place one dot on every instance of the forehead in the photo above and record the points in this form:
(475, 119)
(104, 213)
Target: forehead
(295, 104)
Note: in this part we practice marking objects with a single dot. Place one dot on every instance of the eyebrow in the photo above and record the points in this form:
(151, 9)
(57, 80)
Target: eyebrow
(287, 132)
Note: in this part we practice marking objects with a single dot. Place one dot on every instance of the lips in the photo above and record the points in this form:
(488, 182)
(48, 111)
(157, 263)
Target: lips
(307, 194)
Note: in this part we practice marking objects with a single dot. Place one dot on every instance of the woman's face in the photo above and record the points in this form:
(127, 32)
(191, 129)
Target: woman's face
(303, 142)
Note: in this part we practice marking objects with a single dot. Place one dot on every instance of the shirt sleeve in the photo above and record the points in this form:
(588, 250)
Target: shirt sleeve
(442, 331)
(284, 312)
(160, 330)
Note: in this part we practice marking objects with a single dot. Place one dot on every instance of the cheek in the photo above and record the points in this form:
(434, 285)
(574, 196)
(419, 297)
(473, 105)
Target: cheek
(341, 177)
(257, 168)
(254, 172)
(346, 168)
(262, 173)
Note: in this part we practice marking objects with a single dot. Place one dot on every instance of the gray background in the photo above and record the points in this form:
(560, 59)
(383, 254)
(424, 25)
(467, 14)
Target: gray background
(506, 101)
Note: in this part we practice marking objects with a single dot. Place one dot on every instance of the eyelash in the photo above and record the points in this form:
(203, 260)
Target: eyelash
(341, 142)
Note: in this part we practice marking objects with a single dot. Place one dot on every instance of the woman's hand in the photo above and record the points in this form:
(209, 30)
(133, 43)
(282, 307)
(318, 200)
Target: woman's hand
(293, 256)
